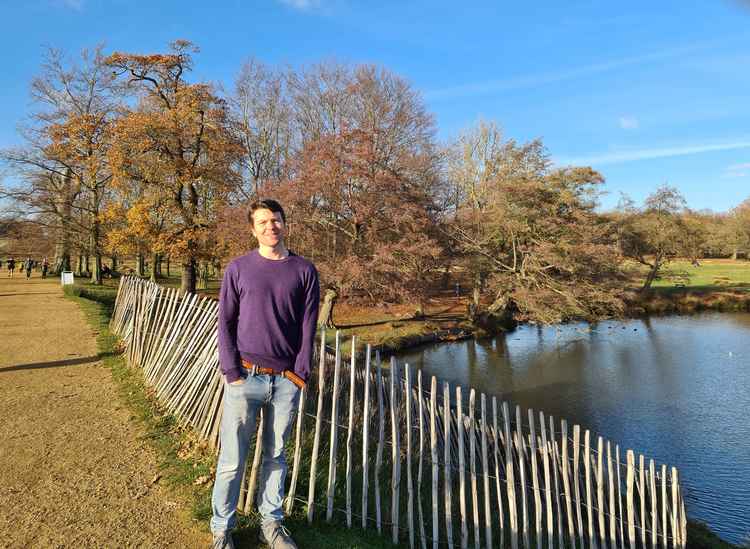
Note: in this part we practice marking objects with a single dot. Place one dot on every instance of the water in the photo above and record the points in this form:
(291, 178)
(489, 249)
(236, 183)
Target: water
(676, 389)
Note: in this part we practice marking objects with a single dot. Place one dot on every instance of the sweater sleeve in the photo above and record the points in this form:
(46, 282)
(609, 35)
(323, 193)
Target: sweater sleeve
(229, 312)
(309, 325)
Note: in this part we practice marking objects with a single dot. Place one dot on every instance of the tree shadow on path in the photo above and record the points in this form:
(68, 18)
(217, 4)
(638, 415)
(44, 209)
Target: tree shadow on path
(56, 363)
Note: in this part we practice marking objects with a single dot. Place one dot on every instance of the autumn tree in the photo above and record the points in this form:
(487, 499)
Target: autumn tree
(63, 166)
(737, 233)
(530, 234)
(176, 144)
(368, 227)
(655, 233)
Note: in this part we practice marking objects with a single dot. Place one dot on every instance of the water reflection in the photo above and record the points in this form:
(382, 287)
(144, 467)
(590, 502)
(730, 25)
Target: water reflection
(676, 389)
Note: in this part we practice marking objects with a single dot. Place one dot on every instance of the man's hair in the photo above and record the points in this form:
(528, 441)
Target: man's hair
(267, 204)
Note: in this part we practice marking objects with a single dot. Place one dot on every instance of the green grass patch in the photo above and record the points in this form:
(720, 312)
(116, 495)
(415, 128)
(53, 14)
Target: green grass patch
(185, 463)
(710, 275)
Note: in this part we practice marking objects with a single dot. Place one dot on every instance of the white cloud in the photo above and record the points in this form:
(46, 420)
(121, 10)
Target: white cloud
(737, 170)
(73, 4)
(629, 155)
(629, 123)
(303, 5)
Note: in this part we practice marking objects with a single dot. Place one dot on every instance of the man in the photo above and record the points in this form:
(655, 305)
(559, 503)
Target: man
(11, 267)
(268, 311)
(28, 265)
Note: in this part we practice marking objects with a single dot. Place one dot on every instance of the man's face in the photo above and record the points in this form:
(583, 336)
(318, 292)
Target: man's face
(268, 228)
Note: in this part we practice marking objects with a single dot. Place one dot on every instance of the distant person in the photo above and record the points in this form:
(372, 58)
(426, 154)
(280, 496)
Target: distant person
(27, 266)
(45, 267)
(11, 267)
(268, 310)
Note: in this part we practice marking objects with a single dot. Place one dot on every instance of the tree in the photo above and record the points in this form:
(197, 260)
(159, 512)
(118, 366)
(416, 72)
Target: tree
(63, 167)
(176, 144)
(530, 235)
(262, 123)
(654, 234)
(738, 228)
(368, 225)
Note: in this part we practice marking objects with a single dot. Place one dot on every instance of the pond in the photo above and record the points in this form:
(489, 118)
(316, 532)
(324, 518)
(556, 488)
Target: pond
(676, 389)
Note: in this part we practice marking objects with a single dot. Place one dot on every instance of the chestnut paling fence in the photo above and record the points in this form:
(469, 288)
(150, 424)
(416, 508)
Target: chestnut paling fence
(428, 464)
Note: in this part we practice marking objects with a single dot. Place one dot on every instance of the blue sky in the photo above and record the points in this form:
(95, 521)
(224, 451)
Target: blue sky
(646, 92)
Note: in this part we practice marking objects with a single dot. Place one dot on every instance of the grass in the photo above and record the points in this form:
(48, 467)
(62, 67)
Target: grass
(711, 275)
(186, 464)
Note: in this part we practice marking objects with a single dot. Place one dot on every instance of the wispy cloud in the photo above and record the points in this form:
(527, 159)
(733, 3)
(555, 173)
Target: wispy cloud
(73, 4)
(629, 123)
(630, 155)
(302, 5)
(534, 80)
(737, 170)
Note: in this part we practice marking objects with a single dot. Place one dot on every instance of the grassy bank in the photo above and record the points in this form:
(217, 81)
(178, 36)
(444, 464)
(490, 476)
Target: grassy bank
(185, 464)
(684, 288)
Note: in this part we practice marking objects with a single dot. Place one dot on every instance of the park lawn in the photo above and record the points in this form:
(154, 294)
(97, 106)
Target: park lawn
(711, 275)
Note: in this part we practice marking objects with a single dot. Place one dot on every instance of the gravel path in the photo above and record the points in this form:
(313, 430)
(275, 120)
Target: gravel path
(74, 470)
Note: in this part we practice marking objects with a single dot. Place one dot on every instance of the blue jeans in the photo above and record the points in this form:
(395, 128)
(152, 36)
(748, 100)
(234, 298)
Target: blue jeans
(279, 399)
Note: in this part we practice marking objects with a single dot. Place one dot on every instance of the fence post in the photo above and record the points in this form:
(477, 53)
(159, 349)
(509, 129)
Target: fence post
(316, 436)
(395, 450)
(447, 463)
(434, 456)
(350, 433)
(365, 436)
(461, 469)
(409, 487)
(333, 453)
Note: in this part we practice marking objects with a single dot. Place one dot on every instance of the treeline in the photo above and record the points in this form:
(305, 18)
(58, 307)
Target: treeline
(125, 154)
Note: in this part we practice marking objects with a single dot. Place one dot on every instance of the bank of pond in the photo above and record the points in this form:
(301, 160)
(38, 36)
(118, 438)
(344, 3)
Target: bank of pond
(675, 388)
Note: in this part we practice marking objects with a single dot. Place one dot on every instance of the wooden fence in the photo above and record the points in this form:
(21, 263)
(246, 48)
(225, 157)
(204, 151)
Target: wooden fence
(377, 446)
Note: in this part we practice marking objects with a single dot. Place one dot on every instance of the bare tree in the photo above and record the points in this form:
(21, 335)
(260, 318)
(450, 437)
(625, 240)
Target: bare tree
(262, 121)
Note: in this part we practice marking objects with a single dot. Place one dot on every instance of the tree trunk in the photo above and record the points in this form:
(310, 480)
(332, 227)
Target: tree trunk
(651, 275)
(187, 283)
(734, 254)
(157, 265)
(87, 262)
(325, 318)
(168, 265)
(62, 250)
(476, 294)
(79, 269)
(154, 262)
(139, 265)
(96, 272)
(114, 263)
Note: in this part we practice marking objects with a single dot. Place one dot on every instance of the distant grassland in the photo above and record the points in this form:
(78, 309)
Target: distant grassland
(711, 275)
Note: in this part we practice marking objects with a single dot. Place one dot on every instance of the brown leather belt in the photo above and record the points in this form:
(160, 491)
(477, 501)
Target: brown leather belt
(291, 376)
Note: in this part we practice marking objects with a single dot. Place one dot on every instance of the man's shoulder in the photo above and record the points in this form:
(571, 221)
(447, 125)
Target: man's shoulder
(302, 263)
(238, 263)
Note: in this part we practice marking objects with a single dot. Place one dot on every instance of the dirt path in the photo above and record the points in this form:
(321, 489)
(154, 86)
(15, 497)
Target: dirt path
(73, 468)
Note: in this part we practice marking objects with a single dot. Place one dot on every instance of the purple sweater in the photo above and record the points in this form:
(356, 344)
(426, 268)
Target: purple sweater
(268, 312)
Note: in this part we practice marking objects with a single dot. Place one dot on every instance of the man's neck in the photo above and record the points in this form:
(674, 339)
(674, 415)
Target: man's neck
(275, 252)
